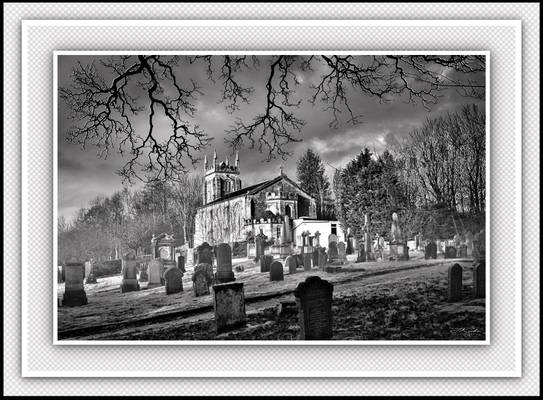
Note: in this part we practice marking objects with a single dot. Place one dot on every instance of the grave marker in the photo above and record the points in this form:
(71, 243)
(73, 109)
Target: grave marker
(314, 302)
(129, 273)
(224, 264)
(74, 290)
(265, 262)
(229, 306)
(307, 261)
(430, 251)
(173, 279)
(200, 283)
(155, 273)
(276, 271)
(292, 264)
(479, 279)
(455, 282)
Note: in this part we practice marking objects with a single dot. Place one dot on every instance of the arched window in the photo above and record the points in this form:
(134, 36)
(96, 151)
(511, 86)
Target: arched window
(288, 211)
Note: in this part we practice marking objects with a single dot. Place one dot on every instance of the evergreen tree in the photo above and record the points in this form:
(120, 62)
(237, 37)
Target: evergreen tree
(310, 173)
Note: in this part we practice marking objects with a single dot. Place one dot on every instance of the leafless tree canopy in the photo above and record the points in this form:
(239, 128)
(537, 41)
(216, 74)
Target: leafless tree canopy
(106, 98)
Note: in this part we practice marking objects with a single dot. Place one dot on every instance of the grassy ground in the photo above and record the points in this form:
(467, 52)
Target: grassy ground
(372, 301)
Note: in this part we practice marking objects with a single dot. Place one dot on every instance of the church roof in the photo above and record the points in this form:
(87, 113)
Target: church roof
(257, 188)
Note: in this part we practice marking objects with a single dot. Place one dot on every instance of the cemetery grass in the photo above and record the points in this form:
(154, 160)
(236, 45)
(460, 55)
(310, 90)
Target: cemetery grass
(408, 304)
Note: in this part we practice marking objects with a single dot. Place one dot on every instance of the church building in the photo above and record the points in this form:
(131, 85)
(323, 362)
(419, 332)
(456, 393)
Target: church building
(232, 213)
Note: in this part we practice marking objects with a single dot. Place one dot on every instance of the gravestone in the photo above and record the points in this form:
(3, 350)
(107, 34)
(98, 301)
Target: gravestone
(206, 270)
(200, 282)
(204, 254)
(129, 273)
(332, 238)
(173, 279)
(430, 251)
(88, 268)
(462, 251)
(314, 302)
(342, 254)
(361, 254)
(307, 261)
(155, 273)
(91, 278)
(332, 252)
(291, 263)
(403, 252)
(229, 306)
(276, 271)
(455, 282)
(224, 264)
(265, 262)
(479, 246)
(74, 290)
(59, 274)
(181, 263)
(89, 273)
(316, 257)
(322, 258)
(469, 244)
(144, 276)
(479, 279)
(450, 252)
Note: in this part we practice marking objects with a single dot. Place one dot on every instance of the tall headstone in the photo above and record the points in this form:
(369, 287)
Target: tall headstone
(89, 273)
(200, 283)
(332, 238)
(259, 245)
(276, 271)
(307, 261)
(265, 262)
(430, 251)
(156, 269)
(229, 306)
(342, 254)
(59, 274)
(479, 279)
(173, 280)
(314, 302)
(332, 252)
(291, 263)
(469, 243)
(224, 264)
(455, 282)
(317, 239)
(74, 290)
(299, 260)
(205, 254)
(316, 256)
(322, 258)
(181, 263)
(130, 274)
(144, 275)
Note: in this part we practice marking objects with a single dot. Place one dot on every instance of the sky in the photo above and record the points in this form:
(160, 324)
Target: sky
(82, 176)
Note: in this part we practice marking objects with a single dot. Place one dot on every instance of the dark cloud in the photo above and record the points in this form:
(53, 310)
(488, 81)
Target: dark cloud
(83, 176)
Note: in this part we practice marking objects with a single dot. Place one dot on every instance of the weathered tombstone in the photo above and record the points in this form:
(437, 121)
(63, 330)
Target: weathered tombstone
(130, 274)
(88, 268)
(207, 270)
(314, 302)
(450, 252)
(229, 306)
(89, 273)
(403, 252)
(462, 251)
(307, 261)
(224, 264)
(361, 254)
(479, 246)
(455, 282)
(350, 245)
(155, 273)
(332, 252)
(430, 251)
(74, 290)
(291, 263)
(59, 274)
(276, 271)
(200, 283)
(316, 257)
(479, 279)
(91, 278)
(342, 255)
(144, 276)
(332, 238)
(181, 263)
(469, 243)
(266, 262)
(322, 258)
(205, 254)
(173, 278)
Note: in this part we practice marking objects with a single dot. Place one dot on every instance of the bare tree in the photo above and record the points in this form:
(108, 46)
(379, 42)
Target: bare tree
(117, 103)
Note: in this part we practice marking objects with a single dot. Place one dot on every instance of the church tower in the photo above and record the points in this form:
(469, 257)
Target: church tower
(221, 178)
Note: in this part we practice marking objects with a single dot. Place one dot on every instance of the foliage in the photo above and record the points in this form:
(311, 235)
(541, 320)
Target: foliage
(310, 173)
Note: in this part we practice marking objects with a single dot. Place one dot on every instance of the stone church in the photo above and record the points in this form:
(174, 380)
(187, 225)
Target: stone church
(232, 213)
